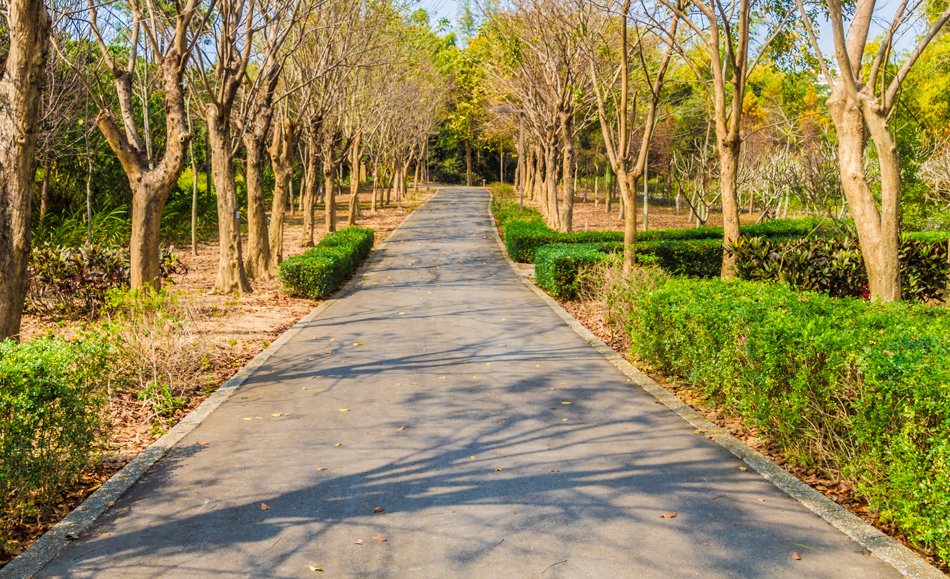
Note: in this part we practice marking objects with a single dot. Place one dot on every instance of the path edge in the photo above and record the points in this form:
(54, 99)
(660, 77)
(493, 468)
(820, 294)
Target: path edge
(52, 543)
(903, 559)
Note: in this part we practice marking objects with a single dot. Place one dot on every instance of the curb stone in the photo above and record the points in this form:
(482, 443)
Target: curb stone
(47, 547)
(904, 560)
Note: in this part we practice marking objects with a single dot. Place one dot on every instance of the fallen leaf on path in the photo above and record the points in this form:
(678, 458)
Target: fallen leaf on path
(378, 510)
(548, 336)
(344, 409)
(332, 339)
(248, 419)
(338, 444)
(400, 429)
(553, 470)
(442, 377)
(264, 507)
(796, 556)
(358, 344)
(743, 468)
(202, 443)
(380, 539)
(330, 352)
(278, 414)
(668, 516)
(760, 500)
(499, 469)
(359, 542)
(565, 402)
(315, 569)
(700, 431)
(71, 536)
(710, 436)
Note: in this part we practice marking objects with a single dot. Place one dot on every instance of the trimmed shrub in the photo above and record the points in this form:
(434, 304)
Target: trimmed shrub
(854, 386)
(523, 238)
(558, 266)
(835, 265)
(318, 272)
(52, 401)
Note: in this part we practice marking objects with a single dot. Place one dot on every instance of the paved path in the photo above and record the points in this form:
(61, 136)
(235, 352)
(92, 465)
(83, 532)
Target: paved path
(498, 442)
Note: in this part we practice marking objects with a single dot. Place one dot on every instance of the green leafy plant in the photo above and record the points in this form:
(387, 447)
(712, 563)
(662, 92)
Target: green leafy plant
(856, 387)
(52, 427)
(835, 265)
(318, 272)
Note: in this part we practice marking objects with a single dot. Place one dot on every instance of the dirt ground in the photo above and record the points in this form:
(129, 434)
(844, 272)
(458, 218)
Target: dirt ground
(591, 215)
(234, 329)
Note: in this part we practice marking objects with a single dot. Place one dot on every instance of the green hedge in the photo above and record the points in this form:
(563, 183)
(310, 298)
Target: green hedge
(524, 237)
(318, 272)
(861, 387)
(52, 402)
(557, 265)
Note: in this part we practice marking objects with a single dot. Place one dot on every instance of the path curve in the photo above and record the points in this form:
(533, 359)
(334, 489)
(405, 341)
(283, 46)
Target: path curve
(496, 441)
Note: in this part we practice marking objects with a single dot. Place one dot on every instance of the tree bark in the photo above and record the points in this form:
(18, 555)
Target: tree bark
(310, 191)
(354, 181)
(282, 159)
(878, 230)
(567, 172)
(329, 184)
(468, 162)
(44, 190)
(29, 30)
(258, 260)
(232, 278)
(728, 174)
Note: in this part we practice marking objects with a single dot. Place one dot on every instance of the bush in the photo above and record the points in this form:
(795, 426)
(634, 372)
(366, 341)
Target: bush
(558, 266)
(72, 282)
(835, 265)
(507, 209)
(501, 190)
(523, 238)
(318, 272)
(857, 387)
(52, 401)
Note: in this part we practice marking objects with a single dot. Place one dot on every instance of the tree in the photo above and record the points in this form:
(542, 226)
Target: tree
(164, 43)
(619, 133)
(28, 25)
(862, 102)
(727, 58)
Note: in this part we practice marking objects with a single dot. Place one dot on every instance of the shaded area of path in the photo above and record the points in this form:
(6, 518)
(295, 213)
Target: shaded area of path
(498, 443)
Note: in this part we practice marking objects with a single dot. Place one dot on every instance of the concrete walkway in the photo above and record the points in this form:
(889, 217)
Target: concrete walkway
(497, 442)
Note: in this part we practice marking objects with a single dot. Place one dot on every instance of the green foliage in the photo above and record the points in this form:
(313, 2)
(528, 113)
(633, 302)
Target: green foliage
(835, 265)
(52, 403)
(858, 387)
(558, 267)
(507, 209)
(108, 228)
(72, 282)
(318, 272)
(501, 190)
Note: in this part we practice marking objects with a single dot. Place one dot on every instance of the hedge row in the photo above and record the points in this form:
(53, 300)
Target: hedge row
(857, 386)
(524, 236)
(318, 272)
(557, 266)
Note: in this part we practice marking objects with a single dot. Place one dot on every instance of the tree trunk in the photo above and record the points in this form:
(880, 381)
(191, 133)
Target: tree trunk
(44, 190)
(551, 180)
(627, 184)
(728, 173)
(329, 188)
(354, 181)
(28, 37)
(567, 173)
(877, 229)
(281, 152)
(258, 261)
(468, 162)
(310, 192)
(232, 278)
